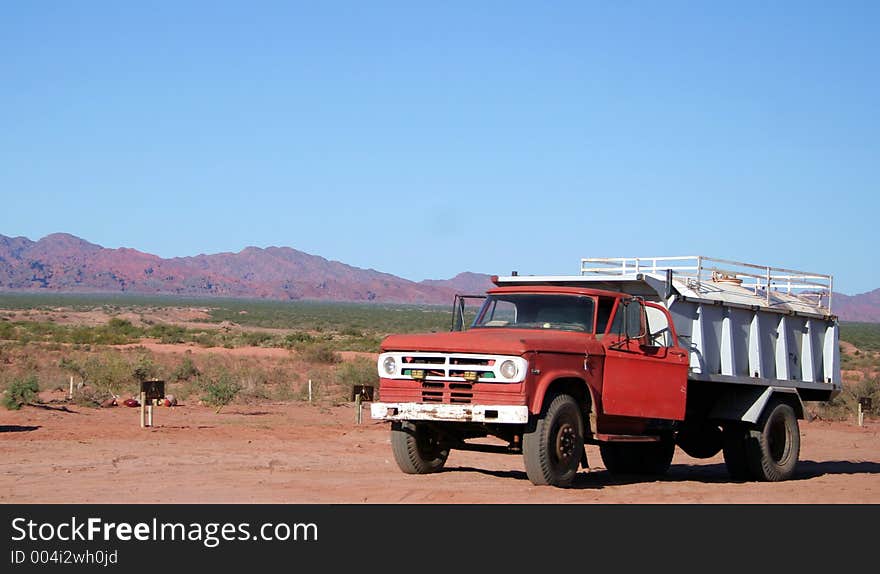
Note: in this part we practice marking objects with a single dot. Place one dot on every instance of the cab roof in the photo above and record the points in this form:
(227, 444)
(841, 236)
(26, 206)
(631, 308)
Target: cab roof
(556, 289)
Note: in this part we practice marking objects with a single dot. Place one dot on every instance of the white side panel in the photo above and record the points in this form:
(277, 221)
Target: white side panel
(728, 347)
(782, 361)
(756, 358)
(808, 361)
(711, 325)
(698, 363)
(831, 356)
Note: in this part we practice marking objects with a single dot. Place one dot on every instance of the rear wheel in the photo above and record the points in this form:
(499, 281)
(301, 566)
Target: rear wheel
(735, 439)
(772, 450)
(554, 444)
(647, 458)
(417, 448)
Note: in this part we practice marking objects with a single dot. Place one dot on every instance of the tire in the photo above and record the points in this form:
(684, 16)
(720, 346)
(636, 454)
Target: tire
(417, 448)
(645, 458)
(703, 441)
(772, 450)
(734, 438)
(554, 444)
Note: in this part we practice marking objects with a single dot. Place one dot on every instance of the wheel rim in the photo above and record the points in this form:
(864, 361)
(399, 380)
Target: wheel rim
(566, 440)
(778, 440)
(427, 444)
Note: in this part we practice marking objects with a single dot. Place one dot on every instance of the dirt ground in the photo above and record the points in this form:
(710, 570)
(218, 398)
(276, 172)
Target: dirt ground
(300, 453)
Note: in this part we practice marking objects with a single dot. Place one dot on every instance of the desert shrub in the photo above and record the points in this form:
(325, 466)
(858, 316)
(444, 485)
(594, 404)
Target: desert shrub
(321, 354)
(317, 381)
(88, 397)
(144, 369)
(205, 339)
(254, 339)
(21, 392)
(845, 404)
(285, 383)
(123, 327)
(185, 371)
(221, 390)
(107, 372)
(253, 382)
(361, 371)
(167, 333)
(298, 337)
(351, 332)
(868, 388)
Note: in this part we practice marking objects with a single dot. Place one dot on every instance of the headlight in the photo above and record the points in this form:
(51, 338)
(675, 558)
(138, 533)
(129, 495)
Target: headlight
(389, 365)
(508, 369)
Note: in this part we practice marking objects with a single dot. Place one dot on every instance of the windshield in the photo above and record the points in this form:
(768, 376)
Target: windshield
(537, 311)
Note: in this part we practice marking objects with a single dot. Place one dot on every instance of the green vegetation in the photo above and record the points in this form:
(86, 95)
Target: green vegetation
(321, 354)
(865, 336)
(221, 391)
(361, 371)
(37, 344)
(352, 320)
(845, 405)
(21, 392)
(185, 371)
(359, 318)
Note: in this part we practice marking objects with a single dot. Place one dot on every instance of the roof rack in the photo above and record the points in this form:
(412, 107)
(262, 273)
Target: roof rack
(700, 272)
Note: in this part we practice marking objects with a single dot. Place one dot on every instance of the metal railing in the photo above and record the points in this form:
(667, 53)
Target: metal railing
(812, 288)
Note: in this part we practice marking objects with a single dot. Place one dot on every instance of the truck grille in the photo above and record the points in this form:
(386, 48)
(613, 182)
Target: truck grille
(452, 368)
(447, 392)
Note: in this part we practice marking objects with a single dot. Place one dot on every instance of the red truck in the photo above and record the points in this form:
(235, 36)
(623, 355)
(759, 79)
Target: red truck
(635, 355)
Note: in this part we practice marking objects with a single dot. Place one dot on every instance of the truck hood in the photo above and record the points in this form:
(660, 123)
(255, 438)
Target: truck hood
(496, 342)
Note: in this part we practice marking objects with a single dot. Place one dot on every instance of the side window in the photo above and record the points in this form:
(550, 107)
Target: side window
(629, 314)
(658, 328)
(606, 305)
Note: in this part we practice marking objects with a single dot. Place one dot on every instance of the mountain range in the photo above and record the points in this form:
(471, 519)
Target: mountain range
(65, 263)
(61, 262)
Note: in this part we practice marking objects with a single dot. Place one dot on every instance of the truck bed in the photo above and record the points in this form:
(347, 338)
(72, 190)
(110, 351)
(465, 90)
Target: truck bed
(743, 323)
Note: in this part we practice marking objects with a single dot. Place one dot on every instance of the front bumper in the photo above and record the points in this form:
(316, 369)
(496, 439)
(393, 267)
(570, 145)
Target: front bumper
(504, 414)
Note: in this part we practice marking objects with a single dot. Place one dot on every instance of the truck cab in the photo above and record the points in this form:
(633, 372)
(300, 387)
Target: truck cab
(526, 347)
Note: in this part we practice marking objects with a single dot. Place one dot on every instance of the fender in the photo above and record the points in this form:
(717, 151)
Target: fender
(547, 379)
(747, 404)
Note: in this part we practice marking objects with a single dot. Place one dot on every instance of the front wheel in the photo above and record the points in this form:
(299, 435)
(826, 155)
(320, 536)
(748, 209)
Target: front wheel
(417, 448)
(554, 445)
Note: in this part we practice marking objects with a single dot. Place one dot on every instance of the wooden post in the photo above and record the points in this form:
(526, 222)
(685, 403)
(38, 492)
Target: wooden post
(310, 390)
(70, 391)
(143, 401)
(357, 405)
(861, 414)
(150, 414)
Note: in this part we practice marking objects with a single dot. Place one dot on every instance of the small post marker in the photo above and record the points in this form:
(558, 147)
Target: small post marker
(310, 390)
(151, 391)
(359, 394)
(865, 404)
(70, 390)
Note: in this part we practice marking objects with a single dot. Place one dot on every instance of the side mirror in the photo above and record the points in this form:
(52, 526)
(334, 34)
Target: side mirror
(633, 319)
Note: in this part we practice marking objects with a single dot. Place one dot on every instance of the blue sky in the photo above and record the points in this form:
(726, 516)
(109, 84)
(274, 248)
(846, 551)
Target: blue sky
(424, 139)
